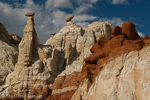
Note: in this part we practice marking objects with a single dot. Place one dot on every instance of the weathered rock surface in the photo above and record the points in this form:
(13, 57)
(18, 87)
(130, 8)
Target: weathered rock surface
(74, 42)
(8, 54)
(38, 65)
(117, 70)
(8, 59)
(16, 39)
(123, 78)
(28, 43)
(8, 38)
(35, 67)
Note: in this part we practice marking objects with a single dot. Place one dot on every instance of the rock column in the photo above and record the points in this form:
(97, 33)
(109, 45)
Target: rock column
(28, 42)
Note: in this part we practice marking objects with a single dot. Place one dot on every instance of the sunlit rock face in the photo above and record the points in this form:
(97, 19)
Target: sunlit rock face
(118, 67)
(94, 63)
(62, 55)
(8, 54)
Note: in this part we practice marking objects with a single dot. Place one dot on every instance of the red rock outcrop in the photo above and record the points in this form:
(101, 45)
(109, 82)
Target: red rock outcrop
(123, 40)
(119, 43)
(116, 30)
(38, 65)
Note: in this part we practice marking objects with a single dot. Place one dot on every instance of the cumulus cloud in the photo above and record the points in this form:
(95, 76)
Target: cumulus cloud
(115, 21)
(84, 5)
(50, 18)
(141, 34)
(83, 8)
(52, 4)
(115, 2)
(46, 21)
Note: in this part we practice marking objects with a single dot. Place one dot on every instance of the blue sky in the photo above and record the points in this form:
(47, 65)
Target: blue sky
(50, 14)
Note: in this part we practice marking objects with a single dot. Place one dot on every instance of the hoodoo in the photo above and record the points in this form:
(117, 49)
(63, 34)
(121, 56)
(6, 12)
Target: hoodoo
(97, 62)
(28, 42)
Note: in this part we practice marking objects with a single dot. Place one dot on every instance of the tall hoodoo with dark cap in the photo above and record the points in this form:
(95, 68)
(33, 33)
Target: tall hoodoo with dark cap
(28, 42)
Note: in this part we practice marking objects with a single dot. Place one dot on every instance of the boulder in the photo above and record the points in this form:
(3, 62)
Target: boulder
(128, 28)
(116, 30)
(69, 18)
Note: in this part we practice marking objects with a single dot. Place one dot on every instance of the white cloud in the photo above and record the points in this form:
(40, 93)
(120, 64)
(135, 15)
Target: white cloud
(115, 21)
(83, 8)
(84, 5)
(84, 17)
(83, 24)
(29, 2)
(115, 2)
(131, 18)
(49, 18)
(141, 34)
(52, 4)
(46, 21)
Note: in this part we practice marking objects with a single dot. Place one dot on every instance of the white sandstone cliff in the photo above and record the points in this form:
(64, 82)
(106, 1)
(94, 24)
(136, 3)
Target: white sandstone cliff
(126, 77)
(39, 65)
(8, 54)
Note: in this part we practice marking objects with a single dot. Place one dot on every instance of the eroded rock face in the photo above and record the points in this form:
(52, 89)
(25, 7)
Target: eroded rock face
(116, 30)
(101, 29)
(73, 44)
(129, 29)
(16, 39)
(113, 68)
(28, 42)
(8, 54)
(8, 59)
(38, 65)
(123, 78)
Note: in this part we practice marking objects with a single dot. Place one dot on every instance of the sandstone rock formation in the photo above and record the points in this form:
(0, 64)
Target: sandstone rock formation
(8, 59)
(33, 67)
(117, 70)
(74, 42)
(110, 73)
(28, 42)
(16, 39)
(8, 54)
(38, 65)
(93, 63)
(122, 78)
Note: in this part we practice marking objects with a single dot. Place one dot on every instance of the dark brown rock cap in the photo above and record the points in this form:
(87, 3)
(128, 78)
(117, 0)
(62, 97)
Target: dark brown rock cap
(53, 34)
(29, 14)
(69, 18)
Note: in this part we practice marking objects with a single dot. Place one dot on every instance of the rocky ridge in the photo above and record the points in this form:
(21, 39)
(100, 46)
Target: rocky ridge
(77, 63)
(8, 54)
(112, 52)
(38, 65)
(118, 69)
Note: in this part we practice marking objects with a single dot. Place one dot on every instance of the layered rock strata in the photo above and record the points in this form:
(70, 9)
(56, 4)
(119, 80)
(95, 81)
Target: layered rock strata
(8, 54)
(68, 67)
(111, 71)
(38, 65)
(117, 70)
(32, 71)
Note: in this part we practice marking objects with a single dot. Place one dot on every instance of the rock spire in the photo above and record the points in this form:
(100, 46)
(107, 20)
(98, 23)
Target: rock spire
(28, 42)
